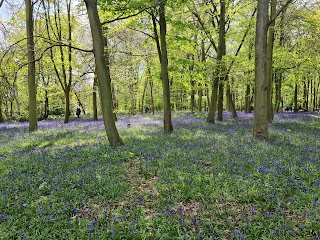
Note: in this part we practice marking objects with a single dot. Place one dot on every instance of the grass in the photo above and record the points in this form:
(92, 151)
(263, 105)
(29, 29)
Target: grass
(201, 182)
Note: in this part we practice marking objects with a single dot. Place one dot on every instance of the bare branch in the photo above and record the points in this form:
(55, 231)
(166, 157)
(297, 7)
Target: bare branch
(147, 34)
(128, 16)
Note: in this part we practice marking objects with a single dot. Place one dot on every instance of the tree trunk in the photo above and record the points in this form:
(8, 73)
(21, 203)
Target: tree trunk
(151, 96)
(278, 86)
(260, 122)
(270, 60)
(168, 128)
(231, 102)
(247, 108)
(67, 106)
(220, 100)
(213, 101)
(221, 73)
(192, 83)
(221, 53)
(1, 115)
(80, 103)
(143, 95)
(33, 120)
(103, 73)
(46, 105)
(295, 98)
(200, 99)
(94, 97)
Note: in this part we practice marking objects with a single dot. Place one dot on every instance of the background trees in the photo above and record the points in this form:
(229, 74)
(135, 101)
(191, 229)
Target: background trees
(202, 72)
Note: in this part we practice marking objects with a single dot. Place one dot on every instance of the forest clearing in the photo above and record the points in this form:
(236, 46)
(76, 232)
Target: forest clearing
(159, 119)
(203, 181)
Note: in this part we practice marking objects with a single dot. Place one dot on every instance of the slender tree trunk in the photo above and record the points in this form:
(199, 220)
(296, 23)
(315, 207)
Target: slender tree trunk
(46, 105)
(33, 120)
(207, 95)
(231, 102)
(220, 100)
(221, 71)
(213, 101)
(222, 49)
(94, 97)
(260, 122)
(305, 95)
(192, 83)
(151, 96)
(168, 128)
(270, 60)
(143, 95)
(80, 103)
(103, 73)
(295, 98)
(67, 106)
(200, 92)
(247, 108)
(1, 114)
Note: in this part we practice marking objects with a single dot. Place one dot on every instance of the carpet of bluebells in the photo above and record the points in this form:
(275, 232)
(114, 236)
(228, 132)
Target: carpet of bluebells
(203, 181)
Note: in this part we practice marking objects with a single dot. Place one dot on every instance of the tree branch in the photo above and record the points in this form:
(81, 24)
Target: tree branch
(283, 7)
(128, 16)
(1, 2)
(147, 34)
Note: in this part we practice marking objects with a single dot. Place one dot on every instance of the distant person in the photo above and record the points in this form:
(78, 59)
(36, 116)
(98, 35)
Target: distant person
(78, 111)
(147, 109)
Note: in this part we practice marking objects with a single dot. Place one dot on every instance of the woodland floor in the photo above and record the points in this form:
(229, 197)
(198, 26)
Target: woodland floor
(203, 181)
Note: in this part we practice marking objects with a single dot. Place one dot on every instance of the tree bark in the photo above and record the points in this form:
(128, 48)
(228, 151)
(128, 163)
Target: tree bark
(94, 98)
(168, 128)
(221, 53)
(220, 73)
(192, 83)
(270, 60)
(33, 120)
(247, 108)
(231, 102)
(103, 73)
(295, 98)
(260, 122)
(1, 114)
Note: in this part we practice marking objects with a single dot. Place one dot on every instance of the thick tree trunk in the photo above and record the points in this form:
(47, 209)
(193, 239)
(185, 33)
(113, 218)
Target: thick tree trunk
(260, 122)
(168, 128)
(213, 101)
(103, 73)
(33, 120)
